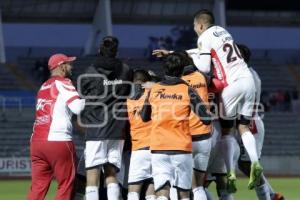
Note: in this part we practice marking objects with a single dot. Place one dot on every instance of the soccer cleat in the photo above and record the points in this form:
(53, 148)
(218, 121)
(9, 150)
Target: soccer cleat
(278, 196)
(231, 182)
(255, 175)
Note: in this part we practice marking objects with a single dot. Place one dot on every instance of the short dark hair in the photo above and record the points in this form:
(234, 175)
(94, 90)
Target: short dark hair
(205, 15)
(174, 65)
(187, 60)
(245, 52)
(141, 75)
(109, 46)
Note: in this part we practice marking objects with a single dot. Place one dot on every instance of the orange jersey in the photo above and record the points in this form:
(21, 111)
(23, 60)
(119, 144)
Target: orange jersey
(197, 81)
(139, 130)
(170, 117)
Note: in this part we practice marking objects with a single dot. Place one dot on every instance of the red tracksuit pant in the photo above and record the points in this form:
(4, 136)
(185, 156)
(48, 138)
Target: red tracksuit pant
(52, 159)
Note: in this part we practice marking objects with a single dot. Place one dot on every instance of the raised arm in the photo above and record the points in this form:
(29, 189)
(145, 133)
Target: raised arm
(146, 110)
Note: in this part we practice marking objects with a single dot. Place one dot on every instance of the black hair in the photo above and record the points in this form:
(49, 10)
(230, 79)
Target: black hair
(174, 65)
(109, 47)
(205, 15)
(245, 52)
(187, 60)
(141, 75)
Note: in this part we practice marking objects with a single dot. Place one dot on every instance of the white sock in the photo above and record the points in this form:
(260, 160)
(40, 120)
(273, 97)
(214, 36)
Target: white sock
(209, 195)
(199, 193)
(224, 195)
(113, 191)
(78, 196)
(150, 197)
(133, 196)
(250, 146)
(162, 198)
(271, 190)
(227, 146)
(91, 193)
(262, 192)
(173, 193)
(186, 199)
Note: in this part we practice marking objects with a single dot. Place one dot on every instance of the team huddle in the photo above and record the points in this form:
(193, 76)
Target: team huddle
(187, 129)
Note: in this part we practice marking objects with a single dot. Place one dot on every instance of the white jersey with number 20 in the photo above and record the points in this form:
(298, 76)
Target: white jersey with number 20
(218, 44)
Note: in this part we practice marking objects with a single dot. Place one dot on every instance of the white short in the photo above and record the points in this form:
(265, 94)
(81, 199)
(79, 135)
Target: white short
(201, 153)
(238, 98)
(140, 166)
(101, 152)
(259, 140)
(176, 169)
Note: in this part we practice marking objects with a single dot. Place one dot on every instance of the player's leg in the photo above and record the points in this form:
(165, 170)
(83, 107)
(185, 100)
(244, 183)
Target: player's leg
(217, 167)
(112, 185)
(115, 150)
(230, 99)
(274, 195)
(209, 195)
(184, 194)
(41, 173)
(173, 194)
(122, 175)
(80, 184)
(222, 188)
(95, 156)
(227, 145)
(140, 173)
(150, 191)
(243, 106)
(183, 166)
(262, 189)
(64, 167)
(162, 172)
(80, 179)
(250, 146)
(201, 153)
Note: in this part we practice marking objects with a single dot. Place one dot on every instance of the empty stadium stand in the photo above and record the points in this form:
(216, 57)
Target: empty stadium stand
(274, 77)
(15, 131)
(7, 80)
(282, 136)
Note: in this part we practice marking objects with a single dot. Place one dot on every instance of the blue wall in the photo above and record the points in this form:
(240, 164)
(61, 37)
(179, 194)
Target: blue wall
(136, 36)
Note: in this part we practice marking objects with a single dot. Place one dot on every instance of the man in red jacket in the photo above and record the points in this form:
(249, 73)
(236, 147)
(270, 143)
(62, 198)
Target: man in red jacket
(52, 151)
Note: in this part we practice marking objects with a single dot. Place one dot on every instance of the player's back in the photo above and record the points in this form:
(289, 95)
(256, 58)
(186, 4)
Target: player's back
(197, 81)
(53, 117)
(139, 130)
(226, 58)
(170, 117)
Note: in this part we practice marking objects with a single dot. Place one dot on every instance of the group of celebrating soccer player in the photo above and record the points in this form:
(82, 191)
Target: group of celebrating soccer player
(187, 129)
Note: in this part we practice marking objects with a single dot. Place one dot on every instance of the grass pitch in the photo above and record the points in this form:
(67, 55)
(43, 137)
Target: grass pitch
(289, 187)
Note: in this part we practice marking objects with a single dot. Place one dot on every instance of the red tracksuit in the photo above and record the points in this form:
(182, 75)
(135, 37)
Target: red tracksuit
(52, 150)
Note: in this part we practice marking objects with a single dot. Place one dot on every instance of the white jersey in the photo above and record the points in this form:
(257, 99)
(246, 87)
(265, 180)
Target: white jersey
(257, 82)
(228, 64)
(57, 99)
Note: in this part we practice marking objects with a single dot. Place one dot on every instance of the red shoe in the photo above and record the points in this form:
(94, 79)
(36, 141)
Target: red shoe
(278, 196)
